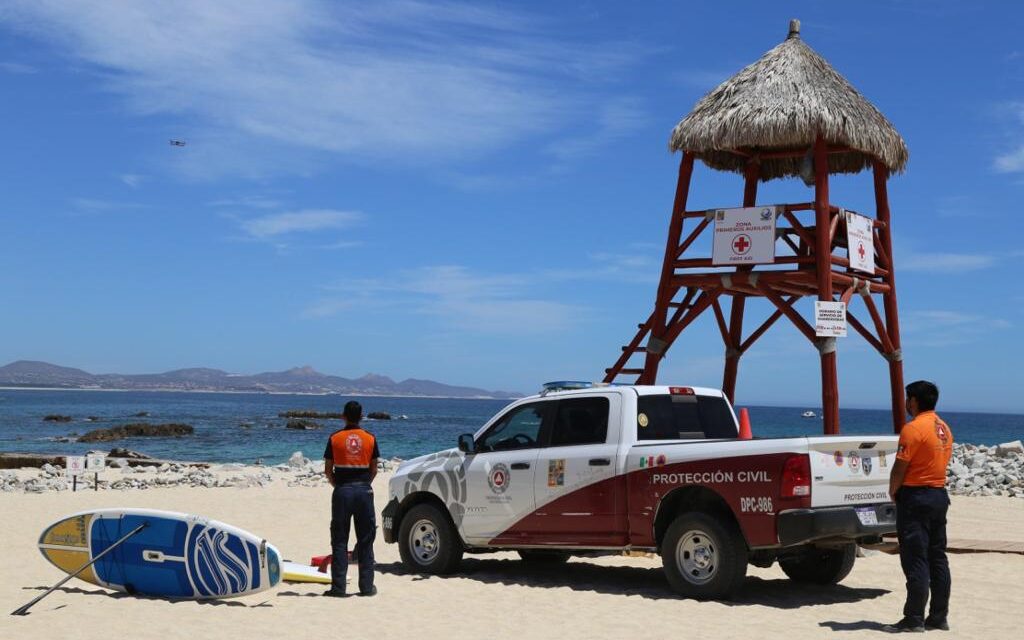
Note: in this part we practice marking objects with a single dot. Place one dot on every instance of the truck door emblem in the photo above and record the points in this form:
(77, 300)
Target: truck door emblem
(499, 478)
(838, 457)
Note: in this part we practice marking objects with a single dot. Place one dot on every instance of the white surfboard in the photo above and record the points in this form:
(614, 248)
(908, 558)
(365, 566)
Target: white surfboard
(296, 572)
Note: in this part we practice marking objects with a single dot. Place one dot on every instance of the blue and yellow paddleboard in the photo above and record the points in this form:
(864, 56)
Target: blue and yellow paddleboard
(176, 555)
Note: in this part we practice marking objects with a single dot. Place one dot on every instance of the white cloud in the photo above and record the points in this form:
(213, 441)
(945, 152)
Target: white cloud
(133, 180)
(1011, 162)
(943, 327)
(249, 202)
(98, 205)
(271, 226)
(616, 119)
(641, 265)
(16, 67)
(943, 262)
(397, 80)
(460, 300)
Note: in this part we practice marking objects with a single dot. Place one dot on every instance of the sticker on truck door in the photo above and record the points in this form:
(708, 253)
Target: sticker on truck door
(556, 472)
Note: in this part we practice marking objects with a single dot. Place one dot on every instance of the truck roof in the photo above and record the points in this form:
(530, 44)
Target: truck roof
(639, 389)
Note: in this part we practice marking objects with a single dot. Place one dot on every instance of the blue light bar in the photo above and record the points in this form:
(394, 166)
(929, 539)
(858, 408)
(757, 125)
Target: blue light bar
(566, 385)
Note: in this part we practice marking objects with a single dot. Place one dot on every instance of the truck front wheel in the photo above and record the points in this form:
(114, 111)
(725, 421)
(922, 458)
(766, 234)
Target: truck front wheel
(427, 541)
(820, 566)
(704, 557)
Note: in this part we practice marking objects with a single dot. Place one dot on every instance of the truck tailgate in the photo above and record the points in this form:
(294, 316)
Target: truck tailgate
(847, 470)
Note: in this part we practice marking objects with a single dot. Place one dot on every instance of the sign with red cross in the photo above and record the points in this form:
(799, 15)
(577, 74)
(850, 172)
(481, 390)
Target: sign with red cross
(744, 236)
(860, 242)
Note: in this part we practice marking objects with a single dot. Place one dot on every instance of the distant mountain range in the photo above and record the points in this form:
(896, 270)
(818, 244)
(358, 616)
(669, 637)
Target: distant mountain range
(31, 374)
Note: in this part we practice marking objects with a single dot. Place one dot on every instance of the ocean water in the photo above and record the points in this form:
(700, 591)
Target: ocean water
(242, 427)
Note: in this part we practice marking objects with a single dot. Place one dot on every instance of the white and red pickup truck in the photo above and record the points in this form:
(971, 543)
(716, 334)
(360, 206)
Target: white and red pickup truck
(653, 468)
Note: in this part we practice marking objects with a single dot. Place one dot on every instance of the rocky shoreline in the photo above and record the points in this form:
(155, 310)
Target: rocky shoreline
(980, 470)
(975, 470)
(123, 474)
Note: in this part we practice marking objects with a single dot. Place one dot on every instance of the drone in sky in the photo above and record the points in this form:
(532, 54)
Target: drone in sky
(177, 143)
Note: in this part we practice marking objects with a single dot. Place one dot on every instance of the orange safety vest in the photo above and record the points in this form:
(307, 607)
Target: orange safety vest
(352, 449)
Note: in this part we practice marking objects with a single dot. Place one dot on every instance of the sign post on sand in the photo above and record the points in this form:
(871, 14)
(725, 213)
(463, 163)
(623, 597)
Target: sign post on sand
(96, 462)
(74, 466)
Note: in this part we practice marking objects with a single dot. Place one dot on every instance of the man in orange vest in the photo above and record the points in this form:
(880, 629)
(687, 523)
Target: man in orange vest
(350, 464)
(918, 487)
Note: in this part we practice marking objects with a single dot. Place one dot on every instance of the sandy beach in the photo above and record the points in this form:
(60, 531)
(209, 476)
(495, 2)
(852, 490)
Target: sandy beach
(494, 596)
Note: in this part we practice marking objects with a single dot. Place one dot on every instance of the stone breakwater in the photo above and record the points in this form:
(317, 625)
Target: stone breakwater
(980, 470)
(299, 471)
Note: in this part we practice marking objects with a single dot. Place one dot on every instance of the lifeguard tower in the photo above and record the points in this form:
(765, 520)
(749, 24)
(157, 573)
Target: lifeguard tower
(788, 115)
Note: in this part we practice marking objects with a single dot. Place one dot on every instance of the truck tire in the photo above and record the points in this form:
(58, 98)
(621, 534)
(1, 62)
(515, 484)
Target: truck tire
(704, 557)
(427, 541)
(820, 566)
(541, 556)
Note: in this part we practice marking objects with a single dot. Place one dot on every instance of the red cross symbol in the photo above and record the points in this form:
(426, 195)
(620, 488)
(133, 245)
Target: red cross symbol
(860, 250)
(741, 244)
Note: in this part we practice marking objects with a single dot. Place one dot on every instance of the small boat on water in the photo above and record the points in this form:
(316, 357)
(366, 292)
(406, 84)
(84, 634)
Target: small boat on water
(809, 414)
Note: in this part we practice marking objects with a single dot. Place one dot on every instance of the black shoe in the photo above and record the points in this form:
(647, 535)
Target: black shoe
(334, 593)
(936, 624)
(369, 594)
(906, 625)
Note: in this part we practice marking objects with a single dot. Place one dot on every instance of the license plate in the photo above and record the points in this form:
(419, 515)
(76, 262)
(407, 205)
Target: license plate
(867, 516)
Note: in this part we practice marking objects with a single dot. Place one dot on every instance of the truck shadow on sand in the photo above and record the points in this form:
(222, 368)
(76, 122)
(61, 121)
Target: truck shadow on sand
(647, 583)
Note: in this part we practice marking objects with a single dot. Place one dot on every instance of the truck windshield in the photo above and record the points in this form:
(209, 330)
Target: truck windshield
(671, 417)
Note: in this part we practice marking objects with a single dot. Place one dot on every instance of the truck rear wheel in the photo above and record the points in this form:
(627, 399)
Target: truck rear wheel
(704, 557)
(427, 541)
(820, 566)
(541, 556)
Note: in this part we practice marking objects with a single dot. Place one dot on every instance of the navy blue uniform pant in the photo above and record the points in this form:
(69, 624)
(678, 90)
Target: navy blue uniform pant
(353, 501)
(921, 527)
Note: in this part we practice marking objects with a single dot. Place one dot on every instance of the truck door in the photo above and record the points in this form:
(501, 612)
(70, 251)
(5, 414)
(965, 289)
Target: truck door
(576, 483)
(499, 475)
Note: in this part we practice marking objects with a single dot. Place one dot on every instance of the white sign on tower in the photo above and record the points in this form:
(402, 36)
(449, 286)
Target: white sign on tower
(829, 319)
(860, 242)
(744, 236)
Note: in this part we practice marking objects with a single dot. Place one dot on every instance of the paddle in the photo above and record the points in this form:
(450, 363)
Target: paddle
(23, 610)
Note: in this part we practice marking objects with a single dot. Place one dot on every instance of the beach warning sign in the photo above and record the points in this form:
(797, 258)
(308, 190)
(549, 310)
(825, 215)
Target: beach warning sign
(744, 236)
(860, 242)
(74, 466)
(829, 319)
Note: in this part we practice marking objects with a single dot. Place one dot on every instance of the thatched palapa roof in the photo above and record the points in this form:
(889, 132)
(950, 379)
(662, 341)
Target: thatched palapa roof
(781, 102)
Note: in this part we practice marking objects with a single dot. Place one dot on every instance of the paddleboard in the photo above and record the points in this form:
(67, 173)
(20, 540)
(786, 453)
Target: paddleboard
(176, 555)
(295, 572)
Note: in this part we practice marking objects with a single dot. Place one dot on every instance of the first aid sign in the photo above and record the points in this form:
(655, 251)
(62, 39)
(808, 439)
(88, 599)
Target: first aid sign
(744, 236)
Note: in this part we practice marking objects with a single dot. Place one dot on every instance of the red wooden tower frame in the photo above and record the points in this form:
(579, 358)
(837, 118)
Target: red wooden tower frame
(688, 288)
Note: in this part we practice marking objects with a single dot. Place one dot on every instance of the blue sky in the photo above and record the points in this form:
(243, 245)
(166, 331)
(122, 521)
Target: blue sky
(476, 193)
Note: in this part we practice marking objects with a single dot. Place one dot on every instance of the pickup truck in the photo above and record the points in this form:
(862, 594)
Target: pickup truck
(649, 468)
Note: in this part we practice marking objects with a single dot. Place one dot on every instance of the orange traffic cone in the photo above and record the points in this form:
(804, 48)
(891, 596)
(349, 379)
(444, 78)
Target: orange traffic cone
(745, 433)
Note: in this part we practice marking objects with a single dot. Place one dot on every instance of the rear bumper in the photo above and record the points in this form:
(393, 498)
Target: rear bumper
(800, 526)
(388, 521)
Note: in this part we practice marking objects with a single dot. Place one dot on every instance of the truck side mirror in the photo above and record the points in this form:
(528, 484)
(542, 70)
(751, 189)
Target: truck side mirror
(466, 444)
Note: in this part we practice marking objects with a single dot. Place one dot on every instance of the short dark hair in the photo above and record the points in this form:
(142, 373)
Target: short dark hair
(353, 411)
(926, 394)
